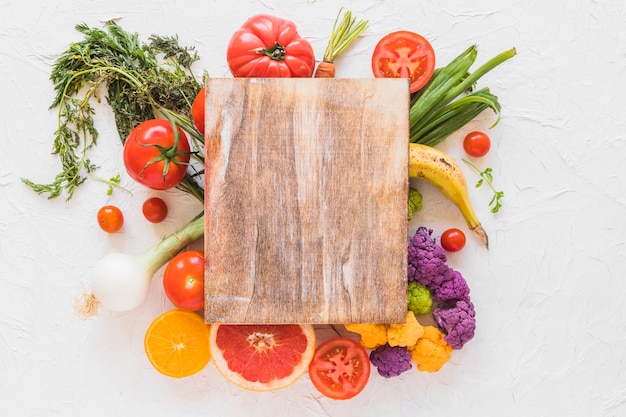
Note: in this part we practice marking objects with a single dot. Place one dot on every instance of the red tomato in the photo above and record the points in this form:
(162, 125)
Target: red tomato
(152, 158)
(340, 368)
(404, 54)
(453, 240)
(183, 280)
(110, 219)
(197, 111)
(476, 144)
(154, 210)
(268, 46)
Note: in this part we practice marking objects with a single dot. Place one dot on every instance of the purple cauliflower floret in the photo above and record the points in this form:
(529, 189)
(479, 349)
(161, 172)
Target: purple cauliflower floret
(391, 361)
(458, 321)
(427, 265)
(426, 259)
(453, 288)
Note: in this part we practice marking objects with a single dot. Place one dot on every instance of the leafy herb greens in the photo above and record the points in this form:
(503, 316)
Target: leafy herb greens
(142, 81)
(486, 176)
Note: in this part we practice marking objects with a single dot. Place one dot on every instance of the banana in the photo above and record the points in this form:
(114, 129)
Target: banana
(444, 173)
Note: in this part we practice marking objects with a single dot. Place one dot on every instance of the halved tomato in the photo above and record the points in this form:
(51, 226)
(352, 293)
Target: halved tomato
(340, 368)
(404, 54)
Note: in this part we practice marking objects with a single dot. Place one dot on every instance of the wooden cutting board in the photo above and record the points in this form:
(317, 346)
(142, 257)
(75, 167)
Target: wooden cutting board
(306, 200)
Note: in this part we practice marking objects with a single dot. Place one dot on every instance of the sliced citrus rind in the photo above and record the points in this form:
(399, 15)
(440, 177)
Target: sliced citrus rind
(262, 357)
(177, 343)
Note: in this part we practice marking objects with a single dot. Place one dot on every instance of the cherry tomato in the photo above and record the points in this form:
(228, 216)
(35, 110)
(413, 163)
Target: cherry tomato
(151, 157)
(154, 210)
(197, 110)
(404, 54)
(268, 46)
(110, 219)
(476, 144)
(340, 368)
(453, 240)
(183, 280)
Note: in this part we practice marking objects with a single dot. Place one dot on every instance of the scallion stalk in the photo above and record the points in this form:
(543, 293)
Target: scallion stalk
(436, 111)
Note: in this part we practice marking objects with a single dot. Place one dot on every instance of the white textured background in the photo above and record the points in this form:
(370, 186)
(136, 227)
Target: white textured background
(551, 336)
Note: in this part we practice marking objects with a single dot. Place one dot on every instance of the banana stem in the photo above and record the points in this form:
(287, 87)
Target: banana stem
(481, 234)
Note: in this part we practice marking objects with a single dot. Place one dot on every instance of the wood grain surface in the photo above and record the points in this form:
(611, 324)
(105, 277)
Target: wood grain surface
(306, 200)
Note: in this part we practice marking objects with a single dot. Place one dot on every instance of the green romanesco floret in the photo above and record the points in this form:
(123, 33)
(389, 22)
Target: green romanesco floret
(419, 298)
(415, 202)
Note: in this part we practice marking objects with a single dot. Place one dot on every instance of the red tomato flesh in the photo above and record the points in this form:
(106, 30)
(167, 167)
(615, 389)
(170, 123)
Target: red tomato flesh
(404, 54)
(340, 368)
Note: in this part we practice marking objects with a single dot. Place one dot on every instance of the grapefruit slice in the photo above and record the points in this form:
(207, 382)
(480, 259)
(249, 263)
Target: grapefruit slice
(262, 357)
(177, 343)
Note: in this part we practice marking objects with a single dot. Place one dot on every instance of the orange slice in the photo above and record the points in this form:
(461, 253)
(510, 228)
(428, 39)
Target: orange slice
(262, 357)
(177, 343)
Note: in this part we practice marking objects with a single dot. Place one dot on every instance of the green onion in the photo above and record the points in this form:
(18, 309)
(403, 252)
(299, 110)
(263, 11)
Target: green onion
(436, 111)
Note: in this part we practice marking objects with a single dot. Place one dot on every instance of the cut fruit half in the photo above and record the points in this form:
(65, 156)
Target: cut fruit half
(262, 357)
(177, 343)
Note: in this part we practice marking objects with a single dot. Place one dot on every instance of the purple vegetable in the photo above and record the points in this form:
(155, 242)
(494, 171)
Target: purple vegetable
(427, 265)
(458, 321)
(391, 361)
(453, 288)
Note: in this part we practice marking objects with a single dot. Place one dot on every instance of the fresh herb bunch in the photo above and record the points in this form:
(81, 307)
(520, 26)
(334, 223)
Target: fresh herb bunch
(448, 101)
(142, 81)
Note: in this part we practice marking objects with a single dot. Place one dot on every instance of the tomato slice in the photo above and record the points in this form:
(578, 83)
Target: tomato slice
(340, 368)
(404, 54)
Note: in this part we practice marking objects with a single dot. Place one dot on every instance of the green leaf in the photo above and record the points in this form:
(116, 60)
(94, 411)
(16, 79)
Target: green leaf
(486, 177)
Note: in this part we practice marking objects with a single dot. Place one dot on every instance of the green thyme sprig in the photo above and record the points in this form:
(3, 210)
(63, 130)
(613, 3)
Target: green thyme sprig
(486, 177)
(113, 183)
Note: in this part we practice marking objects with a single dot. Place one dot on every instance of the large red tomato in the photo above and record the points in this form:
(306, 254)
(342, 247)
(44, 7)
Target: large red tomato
(153, 158)
(183, 280)
(268, 46)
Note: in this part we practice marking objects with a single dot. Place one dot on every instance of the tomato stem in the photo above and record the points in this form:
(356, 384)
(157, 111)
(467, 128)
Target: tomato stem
(276, 52)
